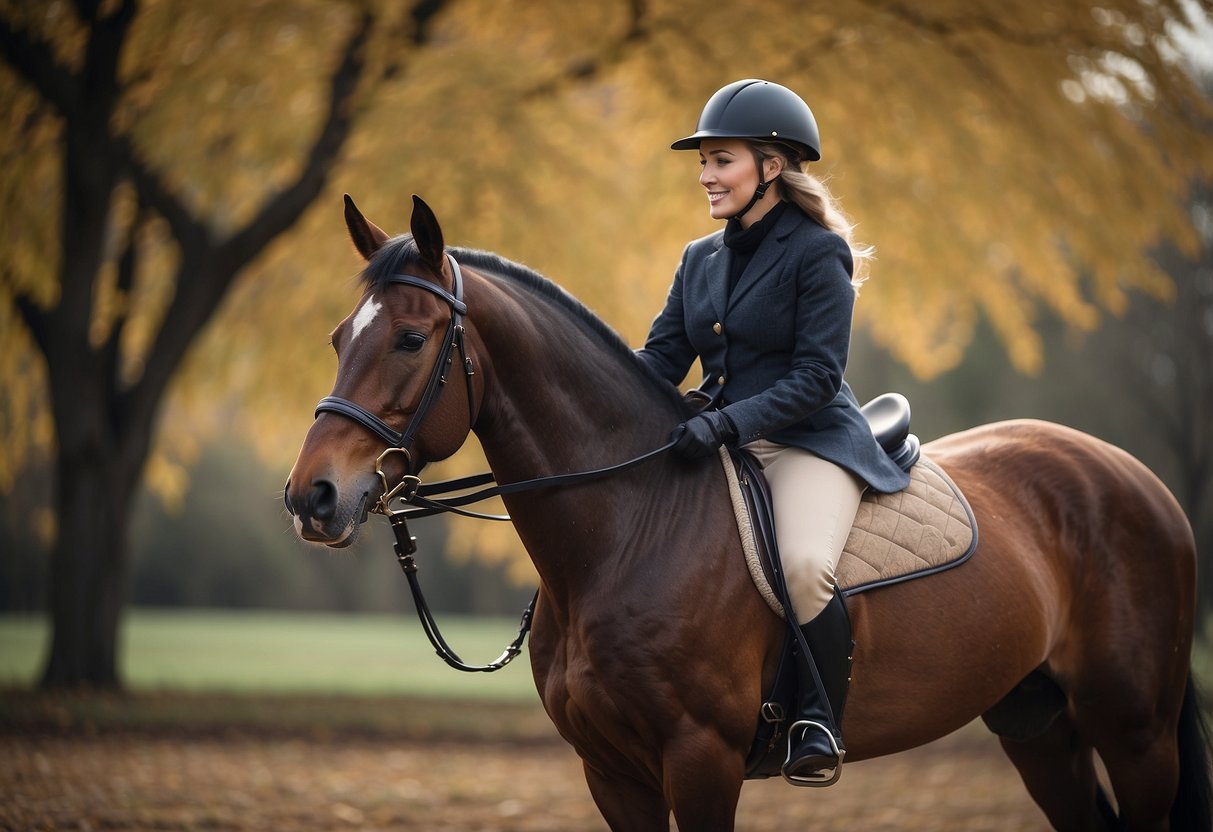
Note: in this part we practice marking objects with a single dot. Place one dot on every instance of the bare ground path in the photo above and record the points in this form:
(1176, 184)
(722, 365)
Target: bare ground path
(122, 780)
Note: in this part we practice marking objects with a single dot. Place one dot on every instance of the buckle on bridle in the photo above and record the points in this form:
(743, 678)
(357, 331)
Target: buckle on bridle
(405, 490)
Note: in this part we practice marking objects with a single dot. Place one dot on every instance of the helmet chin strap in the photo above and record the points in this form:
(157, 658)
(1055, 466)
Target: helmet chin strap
(759, 192)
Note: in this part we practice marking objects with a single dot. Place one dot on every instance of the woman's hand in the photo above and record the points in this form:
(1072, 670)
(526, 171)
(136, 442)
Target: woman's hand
(702, 435)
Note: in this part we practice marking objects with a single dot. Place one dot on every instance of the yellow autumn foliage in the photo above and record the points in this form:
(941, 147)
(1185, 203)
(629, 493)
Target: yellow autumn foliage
(1004, 159)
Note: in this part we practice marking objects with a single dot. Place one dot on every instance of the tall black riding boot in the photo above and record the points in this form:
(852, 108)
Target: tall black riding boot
(815, 749)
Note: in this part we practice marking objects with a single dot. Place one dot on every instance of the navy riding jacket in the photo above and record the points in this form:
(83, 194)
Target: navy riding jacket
(775, 349)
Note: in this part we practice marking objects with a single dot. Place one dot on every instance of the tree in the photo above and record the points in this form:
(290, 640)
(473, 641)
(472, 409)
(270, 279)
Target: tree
(1002, 159)
(104, 412)
(1165, 358)
(116, 116)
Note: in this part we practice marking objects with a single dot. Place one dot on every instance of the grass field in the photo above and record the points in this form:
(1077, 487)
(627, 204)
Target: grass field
(225, 651)
(267, 652)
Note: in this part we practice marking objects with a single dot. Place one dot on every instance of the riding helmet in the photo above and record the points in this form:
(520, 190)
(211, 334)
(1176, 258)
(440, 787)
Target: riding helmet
(756, 109)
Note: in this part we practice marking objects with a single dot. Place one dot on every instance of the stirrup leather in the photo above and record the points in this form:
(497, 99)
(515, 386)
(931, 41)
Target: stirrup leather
(819, 779)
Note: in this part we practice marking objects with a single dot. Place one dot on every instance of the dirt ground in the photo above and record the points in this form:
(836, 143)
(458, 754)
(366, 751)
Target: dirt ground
(131, 781)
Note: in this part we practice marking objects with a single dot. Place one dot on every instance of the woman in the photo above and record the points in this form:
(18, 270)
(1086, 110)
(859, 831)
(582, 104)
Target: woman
(766, 305)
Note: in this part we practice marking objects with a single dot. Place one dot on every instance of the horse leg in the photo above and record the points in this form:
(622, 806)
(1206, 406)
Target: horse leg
(1058, 769)
(703, 778)
(1126, 676)
(1144, 778)
(627, 805)
(1139, 749)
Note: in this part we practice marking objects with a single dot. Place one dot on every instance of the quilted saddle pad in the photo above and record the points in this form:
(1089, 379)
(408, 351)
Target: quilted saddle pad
(921, 530)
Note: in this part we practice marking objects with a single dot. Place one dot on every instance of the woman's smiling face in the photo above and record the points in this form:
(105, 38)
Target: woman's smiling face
(729, 175)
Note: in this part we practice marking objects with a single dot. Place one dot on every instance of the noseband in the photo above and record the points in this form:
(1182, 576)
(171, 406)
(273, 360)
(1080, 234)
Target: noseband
(402, 443)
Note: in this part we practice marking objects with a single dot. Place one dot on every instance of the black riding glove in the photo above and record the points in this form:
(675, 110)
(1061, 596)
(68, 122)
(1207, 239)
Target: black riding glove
(702, 435)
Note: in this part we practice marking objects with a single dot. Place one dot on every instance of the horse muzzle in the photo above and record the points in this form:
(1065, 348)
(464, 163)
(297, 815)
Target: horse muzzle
(323, 513)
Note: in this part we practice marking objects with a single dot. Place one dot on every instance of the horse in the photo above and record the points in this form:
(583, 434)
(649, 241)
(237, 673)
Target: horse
(651, 647)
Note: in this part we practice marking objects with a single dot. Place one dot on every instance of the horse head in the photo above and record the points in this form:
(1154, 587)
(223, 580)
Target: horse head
(394, 358)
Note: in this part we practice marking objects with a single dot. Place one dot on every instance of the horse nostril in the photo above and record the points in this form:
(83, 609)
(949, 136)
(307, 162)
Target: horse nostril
(323, 500)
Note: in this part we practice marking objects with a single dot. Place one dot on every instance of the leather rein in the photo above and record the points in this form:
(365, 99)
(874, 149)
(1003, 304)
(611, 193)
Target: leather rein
(425, 500)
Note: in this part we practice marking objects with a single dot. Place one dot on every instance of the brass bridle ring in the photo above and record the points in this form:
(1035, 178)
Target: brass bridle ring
(405, 490)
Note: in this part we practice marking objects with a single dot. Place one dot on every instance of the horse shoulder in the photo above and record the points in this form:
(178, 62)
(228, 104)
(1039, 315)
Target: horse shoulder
(613, 674)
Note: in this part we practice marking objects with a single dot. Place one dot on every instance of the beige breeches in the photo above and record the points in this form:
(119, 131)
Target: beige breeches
(815, 503)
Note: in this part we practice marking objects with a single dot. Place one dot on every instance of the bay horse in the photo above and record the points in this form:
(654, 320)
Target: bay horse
(651, 646)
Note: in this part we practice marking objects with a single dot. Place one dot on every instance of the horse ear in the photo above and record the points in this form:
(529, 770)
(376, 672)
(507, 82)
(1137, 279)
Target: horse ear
(368, 238)
(427, 234)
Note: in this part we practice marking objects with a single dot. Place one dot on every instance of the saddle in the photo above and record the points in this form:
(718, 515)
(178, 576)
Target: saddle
(924, 529)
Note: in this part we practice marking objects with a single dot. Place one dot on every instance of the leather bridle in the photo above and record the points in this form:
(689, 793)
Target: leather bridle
(402, 442)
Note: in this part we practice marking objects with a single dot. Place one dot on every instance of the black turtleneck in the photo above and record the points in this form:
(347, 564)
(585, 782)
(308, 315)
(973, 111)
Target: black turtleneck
(743, 242)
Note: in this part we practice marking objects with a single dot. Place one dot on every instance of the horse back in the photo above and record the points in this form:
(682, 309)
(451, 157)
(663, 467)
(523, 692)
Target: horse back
(1089, 501)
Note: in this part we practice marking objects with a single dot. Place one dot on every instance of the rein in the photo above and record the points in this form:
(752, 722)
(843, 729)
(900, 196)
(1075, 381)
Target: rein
(405, 544)
(426, 500)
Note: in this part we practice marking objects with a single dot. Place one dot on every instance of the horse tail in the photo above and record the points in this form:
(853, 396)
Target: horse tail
(1193, 806)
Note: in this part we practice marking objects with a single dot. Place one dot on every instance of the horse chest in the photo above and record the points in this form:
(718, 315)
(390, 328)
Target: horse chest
(607, 706)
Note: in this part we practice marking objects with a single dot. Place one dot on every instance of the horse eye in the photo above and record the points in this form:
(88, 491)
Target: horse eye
(410, 341)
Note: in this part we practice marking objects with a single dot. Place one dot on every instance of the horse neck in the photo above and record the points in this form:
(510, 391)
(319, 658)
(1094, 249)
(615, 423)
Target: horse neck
(558, 400)
(557, 397)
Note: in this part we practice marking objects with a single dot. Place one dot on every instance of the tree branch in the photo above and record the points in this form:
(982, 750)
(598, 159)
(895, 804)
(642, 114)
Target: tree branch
(90, 171)
(190, 232)
(99, 80)
(87, 9)
(33, 317)
(611, 55)
(208, 269)
(281, 212)
(963, 25)
(34, 61)
(423, 15)
(127, 263)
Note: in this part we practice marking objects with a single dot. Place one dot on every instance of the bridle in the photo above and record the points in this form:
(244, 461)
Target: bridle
(405, 544)
(424, 500)
(402, 443)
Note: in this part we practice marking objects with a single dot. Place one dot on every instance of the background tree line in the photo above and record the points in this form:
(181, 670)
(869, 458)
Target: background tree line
(172, 255)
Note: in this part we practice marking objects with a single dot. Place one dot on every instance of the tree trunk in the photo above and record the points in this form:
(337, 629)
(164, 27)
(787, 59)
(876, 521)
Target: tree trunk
(100, 456)
(91, 497)
(88, 572)
(104, 426)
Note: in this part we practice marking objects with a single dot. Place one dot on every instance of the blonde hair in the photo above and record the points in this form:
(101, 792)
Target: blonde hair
(812, 196)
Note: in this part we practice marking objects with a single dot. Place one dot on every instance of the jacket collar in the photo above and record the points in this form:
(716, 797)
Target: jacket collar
(765, 258)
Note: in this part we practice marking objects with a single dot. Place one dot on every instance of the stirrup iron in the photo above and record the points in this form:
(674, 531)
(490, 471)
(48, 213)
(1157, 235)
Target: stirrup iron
(820, 779)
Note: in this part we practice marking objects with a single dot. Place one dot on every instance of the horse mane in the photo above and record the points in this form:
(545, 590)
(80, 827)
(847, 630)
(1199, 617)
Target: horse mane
(397, 252)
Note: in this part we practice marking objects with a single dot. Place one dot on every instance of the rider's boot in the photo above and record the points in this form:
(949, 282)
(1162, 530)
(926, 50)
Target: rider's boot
(815, 749)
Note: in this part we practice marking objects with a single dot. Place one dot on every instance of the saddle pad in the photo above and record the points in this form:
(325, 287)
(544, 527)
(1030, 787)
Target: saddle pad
(923, 529)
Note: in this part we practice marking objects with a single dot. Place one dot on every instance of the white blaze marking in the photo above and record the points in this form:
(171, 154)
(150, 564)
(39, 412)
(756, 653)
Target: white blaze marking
(364, 317)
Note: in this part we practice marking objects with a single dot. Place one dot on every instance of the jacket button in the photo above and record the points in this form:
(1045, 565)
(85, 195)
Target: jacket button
(720, 380)
(717, 328)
